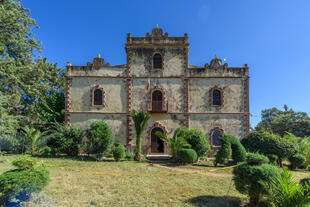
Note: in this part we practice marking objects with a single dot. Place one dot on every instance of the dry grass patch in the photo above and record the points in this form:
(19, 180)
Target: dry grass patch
(69, 188)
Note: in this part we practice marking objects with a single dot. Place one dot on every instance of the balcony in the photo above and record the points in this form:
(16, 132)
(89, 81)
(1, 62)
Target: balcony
(158, 107)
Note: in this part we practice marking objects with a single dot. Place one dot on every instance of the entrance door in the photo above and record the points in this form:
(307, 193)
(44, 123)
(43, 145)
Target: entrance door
(157, 145)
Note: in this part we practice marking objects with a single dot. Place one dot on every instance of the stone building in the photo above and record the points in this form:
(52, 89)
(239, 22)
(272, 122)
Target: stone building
(213, 98)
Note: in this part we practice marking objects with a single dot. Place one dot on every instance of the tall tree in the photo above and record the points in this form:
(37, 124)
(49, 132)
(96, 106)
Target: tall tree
(280, 122)
(140, 119)
(51, 108)
(8, 123)
(24, 76)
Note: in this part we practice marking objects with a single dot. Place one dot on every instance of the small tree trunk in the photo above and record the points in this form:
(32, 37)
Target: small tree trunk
(138, 149)
(254, 201)
(280, 163)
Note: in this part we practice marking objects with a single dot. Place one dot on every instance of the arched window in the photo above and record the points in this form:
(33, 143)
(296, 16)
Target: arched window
(216, 137)
(98, 97)
(157, 100)
(216, 97)
(157, 61)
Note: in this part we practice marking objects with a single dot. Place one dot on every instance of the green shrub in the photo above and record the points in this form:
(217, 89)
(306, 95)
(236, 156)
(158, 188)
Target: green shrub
(46, 150)
(296, 161)
(248, 176)
(117, 143)
(304, 181)
(188, 156)
(197, 141)
(119, 152)
(308, 168)
(256, 159)
(284, 191)
(129, 155)
(230, 147)
(65, 139)
(24, 162)
(267, 143)
(273, 159)
(238, 151)
(35, 178)
(224, 153)
(100, 137)
(186, 146)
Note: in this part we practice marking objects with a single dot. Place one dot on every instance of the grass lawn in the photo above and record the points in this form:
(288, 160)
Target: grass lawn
(69, 188)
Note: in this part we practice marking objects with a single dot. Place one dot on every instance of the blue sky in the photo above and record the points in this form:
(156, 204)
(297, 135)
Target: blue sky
(272, 37)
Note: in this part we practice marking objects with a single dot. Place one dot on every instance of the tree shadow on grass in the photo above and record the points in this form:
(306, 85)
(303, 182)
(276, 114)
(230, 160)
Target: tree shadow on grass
(215, 201)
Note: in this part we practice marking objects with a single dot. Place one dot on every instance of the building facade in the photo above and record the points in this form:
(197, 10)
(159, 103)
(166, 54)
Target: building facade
(213, 98)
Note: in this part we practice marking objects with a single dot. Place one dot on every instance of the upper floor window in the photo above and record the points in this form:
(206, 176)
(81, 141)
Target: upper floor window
(157, 61)
(98, 96)
(216, 137)
(157, 100)
(216, 97)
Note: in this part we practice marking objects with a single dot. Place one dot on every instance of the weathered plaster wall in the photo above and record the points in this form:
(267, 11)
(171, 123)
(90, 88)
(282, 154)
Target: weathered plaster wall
(230, 123)
(116, 122)
(115, 94)
(141, 62)
(172, 87)
(233, 91)
(101, 71)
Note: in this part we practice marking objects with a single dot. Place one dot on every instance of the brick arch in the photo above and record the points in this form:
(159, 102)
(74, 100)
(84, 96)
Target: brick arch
(156, 124)
(222, 96)
(212, 131)
(92, 96)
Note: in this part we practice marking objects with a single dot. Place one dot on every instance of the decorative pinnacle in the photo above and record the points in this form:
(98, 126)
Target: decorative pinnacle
(99, 56)
(215, 57)
(157, 26)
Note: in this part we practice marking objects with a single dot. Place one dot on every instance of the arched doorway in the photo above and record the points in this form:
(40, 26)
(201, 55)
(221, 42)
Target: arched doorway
(157, 145)
(157, 100)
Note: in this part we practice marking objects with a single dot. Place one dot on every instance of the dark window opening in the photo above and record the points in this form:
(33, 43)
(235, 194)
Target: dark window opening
(157, 61)
(216, 137)
(98, 97)
(157, 100)
(216, 98)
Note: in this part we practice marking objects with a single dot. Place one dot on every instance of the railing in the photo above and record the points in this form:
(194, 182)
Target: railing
(158, 106)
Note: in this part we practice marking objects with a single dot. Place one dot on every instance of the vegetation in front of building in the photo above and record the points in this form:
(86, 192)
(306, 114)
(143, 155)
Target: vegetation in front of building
(27, 178)
(230, 148)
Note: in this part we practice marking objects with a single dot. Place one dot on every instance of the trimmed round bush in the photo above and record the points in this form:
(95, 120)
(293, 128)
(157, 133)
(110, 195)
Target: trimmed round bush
(24, 162)
(224, 153)
(231, 147)
(297, 160)
(100, 137)
(188, 156)
(249, 175)
(196, 139)
(238, 151)
(35, 178)
(119, 152)
(256, 159)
